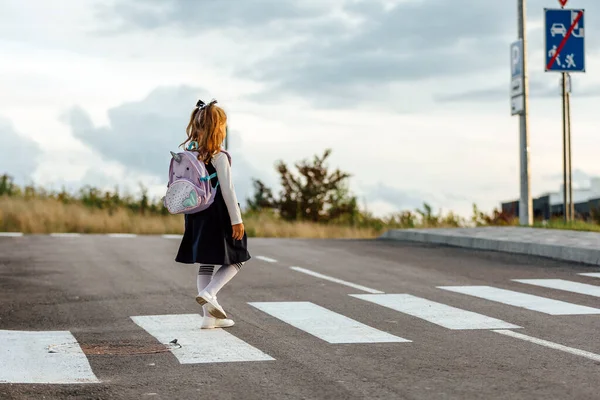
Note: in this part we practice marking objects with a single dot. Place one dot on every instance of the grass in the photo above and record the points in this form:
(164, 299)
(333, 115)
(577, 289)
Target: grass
(572, 226)
(33, 210)
(49, 215)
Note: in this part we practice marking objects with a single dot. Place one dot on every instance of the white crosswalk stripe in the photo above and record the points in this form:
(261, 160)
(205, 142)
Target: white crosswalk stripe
(11, 234)
(523, 300)
(177, 237)
(325, 324)
(198, 345)
(591, 274)
(50, 357)
(436, 313)
(122, 235)
(561, 284)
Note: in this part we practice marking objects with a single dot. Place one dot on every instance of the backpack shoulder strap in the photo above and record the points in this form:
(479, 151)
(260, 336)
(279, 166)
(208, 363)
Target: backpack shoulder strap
(227, 154)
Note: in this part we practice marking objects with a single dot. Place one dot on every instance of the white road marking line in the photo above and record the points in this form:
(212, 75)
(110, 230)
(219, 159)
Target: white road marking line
(578, 352)
(267, 259)
(61, 234)
(198, 345)
(11, 234)
(121, 235)
(591, 274)
(329, 278)
(436, 313)
(561, 284)
(29, 357)
(523, 300)
(325, 324)
(172, 236)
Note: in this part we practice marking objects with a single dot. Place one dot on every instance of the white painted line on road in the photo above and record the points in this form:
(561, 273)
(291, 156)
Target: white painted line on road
(523, 300)
(198, 345)
(577, 352)
(122, 235)
(325, 324)
(267, 259)
(561, 284)
(29, 357)
(436, 313)
(11, 234)
(591, 274)
(61, 234)
(172, 236)
(329, 278)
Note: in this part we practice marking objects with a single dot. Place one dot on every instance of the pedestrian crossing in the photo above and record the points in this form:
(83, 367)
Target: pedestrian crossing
(198, 346)
(325, 324)
(436, 313)
(591, 274)
(55, 357)
(523, 300)
(561, 284)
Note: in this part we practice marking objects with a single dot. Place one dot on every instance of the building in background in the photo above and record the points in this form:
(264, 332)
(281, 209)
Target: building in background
(550, 205)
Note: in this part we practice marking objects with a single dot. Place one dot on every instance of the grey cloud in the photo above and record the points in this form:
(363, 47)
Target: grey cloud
(141, 134)
(404, 199)
(19, 156)
(340, 62)
(580, 178)
(200, 16)
(400, 198)
(538, 88)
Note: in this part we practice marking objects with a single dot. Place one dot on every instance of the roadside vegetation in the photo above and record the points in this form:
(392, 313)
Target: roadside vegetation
(313, 202)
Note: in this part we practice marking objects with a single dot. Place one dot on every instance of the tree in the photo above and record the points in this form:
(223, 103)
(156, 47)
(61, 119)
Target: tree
(263, 197)
(313, 193)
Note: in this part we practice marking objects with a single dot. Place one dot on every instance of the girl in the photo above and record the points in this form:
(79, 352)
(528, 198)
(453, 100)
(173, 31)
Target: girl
(215, 236)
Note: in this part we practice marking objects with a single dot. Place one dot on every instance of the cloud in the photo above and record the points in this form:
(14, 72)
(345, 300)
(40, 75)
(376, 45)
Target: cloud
(399, 198)
(19, 156)
(140, 135)
(202, 16)
(345, 54)
(580, 178)
(538, 88)
(368, 46)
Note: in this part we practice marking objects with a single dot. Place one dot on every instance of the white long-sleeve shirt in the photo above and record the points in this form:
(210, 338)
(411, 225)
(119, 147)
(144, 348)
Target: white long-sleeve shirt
(221, 164)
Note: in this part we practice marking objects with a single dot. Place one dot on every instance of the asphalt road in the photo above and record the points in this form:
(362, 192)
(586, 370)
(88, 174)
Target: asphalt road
(298, 334)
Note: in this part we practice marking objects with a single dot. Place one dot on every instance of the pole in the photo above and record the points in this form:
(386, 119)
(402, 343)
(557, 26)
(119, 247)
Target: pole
(525, 202)
(226, 138)
(570, 152)
(565, 181)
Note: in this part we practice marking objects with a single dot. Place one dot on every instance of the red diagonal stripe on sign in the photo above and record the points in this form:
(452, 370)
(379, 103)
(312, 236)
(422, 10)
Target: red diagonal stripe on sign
(562, 43)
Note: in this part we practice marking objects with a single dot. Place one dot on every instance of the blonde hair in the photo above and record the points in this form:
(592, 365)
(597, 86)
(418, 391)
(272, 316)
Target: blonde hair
(207, 129)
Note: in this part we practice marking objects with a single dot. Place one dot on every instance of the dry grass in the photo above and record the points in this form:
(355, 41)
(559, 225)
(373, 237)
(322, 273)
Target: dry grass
(38, 215)
(46, 215)
(267, 226)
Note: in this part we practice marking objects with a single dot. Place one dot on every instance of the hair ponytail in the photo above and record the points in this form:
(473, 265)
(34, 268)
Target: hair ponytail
(206, 128)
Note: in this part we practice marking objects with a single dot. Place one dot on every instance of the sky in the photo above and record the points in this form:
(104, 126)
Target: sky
(412, 96)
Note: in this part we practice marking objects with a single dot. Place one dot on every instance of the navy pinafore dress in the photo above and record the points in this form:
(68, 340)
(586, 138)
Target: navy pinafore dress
(207, 238)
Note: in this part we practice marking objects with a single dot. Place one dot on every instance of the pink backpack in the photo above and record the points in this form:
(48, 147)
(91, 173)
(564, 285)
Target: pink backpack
(189, 190)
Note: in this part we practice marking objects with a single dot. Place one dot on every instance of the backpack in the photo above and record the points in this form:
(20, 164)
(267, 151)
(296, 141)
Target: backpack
(189, 190)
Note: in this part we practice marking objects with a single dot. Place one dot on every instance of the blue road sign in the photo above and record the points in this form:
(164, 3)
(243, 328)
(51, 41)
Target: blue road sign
(516, 59)
(565, 40)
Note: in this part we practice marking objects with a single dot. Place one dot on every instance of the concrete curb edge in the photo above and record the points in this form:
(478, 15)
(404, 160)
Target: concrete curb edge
(557, 252)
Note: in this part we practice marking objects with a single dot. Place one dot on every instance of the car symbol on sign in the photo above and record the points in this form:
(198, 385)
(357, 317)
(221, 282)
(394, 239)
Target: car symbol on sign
(558, 29)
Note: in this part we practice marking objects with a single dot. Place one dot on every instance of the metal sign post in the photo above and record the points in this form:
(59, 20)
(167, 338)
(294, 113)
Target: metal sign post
(565, 53)
(519, 95)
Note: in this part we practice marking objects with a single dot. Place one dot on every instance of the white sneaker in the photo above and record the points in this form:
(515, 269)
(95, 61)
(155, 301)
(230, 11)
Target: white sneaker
(214, 308)
(211, 323)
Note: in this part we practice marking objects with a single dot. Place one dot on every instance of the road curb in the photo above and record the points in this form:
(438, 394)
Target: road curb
(553, 251)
